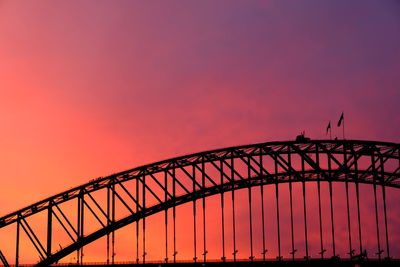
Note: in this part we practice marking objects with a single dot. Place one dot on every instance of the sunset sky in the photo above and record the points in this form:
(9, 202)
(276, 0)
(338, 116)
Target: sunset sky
(89, 88)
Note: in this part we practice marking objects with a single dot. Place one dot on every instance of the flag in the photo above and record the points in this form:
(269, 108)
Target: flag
(329, 127)
(340, 120)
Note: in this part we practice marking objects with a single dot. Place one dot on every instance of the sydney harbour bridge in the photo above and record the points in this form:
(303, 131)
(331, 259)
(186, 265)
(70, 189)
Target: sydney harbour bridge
(301, 201)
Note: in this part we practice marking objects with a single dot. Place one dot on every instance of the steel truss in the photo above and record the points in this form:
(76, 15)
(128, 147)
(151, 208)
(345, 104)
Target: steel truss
(348, 161)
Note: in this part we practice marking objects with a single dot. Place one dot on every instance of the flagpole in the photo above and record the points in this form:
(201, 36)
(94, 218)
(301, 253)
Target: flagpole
(329, 128)
(340, 122)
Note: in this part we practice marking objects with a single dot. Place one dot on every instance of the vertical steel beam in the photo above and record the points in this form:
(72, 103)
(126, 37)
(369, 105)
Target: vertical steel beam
(194, 216)
(222, 212)
(277, 209)
(82, 225)
(144, 218)
(203, 183)
(320, 220)
(291, 219)
(331, 206)
(348, 217)
(233, 209)
(174, 211)
(49, 229)
(377, 223)
(291, 203)
(348, 202)
(137, 221)
(113, 221)
(166, 215)
(386, 224)
(250, 212)
(384, 205)
(277, 220)
(262, 205)
(304, 209)
(17, 243)
(321, 238)
(108, 223)
(358, 204)
(78, 252)
(359, 216)
(305, 220)
(332, 219)
(376, 206)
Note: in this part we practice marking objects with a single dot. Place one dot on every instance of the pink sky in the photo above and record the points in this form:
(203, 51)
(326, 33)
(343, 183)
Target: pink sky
(89, 88)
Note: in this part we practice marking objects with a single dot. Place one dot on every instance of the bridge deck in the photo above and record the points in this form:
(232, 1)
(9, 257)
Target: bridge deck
(273, 263)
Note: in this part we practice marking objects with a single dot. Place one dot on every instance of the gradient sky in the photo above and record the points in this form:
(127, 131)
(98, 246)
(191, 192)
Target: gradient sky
(88, 88)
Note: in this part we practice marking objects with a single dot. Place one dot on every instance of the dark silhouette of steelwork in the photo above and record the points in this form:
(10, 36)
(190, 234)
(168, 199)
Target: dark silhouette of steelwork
(4, 260)
(267, 163)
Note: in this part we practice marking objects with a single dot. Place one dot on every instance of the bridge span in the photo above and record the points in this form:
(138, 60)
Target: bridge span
(308, 201)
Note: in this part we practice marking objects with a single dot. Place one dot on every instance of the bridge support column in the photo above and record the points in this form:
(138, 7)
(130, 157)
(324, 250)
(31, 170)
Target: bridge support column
(384, 204)
(376, 207)
(174, 212)
(291, 219)
(235, 251)
(289, 164)
(17, 243)
(194, 218)
(277, 212)
(222, 214)
(322, 252)
(332, 219)
(264, 251)
(80, 225)
(331, 206)
(166, 215)
(137, 223)
(321, 238)
(348, 202)
(144, 219)
(113, 220)
(250, 211)
(386, 226)
(203, 183)
(304, 209)
(49, 229)
(278, 221)
(108, 223)
(359, 217)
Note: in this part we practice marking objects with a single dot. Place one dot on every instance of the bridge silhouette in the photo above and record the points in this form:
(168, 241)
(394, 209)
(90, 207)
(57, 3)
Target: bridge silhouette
(132, 197)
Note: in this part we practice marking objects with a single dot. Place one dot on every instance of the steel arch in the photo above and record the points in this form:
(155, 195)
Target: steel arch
(355, 161)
